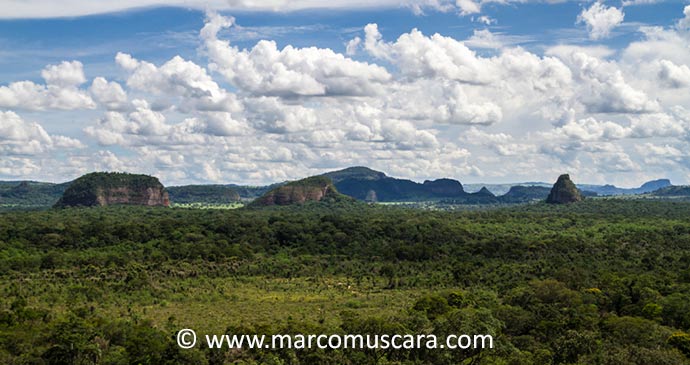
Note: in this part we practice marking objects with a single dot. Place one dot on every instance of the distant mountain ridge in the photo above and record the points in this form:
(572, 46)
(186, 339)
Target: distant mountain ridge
(604, 190)
(647, 187)
(359, 182)
(501, 189)
(521, 194)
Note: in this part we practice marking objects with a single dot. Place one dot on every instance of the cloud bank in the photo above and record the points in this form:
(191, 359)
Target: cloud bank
(418, 105)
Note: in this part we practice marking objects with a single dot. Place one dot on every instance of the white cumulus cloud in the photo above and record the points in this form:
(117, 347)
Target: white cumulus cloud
(600, 19)
(20, 137)
(60, 91)
(289, 72)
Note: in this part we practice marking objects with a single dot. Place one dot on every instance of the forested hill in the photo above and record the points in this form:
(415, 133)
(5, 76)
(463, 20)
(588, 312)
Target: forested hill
(311, 189)
(214, 194)
(30, 193)
(110, 188)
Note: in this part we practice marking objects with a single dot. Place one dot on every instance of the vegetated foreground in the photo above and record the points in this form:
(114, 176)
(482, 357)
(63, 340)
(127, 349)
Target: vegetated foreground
(595, 282)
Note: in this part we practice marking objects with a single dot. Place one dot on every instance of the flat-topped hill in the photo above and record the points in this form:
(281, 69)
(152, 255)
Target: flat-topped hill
(111, 188)
(356, 172)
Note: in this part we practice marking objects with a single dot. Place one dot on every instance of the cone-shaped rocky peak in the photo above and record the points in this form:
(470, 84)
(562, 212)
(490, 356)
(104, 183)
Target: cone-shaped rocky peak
(564, 191)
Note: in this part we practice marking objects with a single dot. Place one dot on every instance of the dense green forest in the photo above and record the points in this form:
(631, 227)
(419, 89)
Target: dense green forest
(207, 194)
(596, 282)
(29, 194)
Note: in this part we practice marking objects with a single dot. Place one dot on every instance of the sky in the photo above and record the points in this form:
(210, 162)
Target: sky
(256, 92)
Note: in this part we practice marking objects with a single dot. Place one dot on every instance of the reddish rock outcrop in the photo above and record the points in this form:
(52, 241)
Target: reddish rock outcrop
(317, 188)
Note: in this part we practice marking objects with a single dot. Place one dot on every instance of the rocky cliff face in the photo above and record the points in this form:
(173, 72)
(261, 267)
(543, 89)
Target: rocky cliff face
(317, 188)
(564, 191)
(371, 197)
(104, 188)
(287, 195)
(149, 196)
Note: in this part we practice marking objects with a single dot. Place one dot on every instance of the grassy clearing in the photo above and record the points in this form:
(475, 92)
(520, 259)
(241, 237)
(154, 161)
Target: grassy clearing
(207, 205)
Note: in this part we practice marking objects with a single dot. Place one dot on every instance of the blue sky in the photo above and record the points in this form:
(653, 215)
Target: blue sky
(483, 91)
(158, 34)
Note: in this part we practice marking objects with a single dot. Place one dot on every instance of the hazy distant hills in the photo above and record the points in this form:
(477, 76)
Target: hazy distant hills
(603, 190)
(30, 193)
(520, 194)
(361, 183)
(501, 189)
(647, 187)
(672, 191)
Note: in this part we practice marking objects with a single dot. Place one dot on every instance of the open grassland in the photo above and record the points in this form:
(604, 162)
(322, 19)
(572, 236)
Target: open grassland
(211, 304)
(208, 205)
